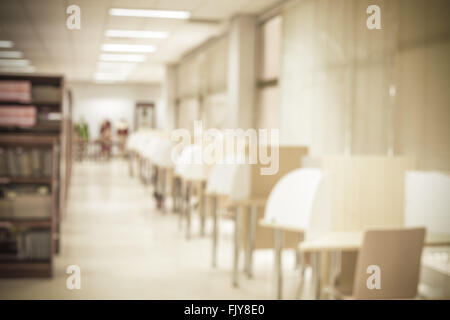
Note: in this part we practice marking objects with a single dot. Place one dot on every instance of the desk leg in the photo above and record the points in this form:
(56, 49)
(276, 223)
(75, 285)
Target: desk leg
(251, 228)
(177, 196)
(335, 268)
(183, 205)
(163, 189)
(237, 245)
(174, 194)
(201, 208)
(188, 210)
(215, 233)
(130, 164)
(301, 268)
(316, 272)
(278, 242)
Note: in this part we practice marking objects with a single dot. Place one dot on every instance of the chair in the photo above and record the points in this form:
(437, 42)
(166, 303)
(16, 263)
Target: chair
(397, 253)
(193, 173)
(159, 153)
(289, 207)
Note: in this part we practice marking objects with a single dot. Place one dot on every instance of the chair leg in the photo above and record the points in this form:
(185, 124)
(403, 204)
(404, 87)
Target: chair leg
(301, 282)
(215, 233)
(188, 210)
(183, 204)
(201, 208)
(278, 239)
(251, 240)
(237, 246)
(316, 278)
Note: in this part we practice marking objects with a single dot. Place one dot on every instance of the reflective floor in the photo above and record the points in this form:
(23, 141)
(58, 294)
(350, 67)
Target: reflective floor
(126, 249)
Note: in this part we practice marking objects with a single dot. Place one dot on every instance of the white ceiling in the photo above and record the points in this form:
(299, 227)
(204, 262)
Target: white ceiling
(38, 29)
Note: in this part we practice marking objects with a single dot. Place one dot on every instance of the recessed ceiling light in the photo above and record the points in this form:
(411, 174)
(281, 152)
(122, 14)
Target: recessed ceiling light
(136, 34)
(122, 57)
(110, 76)
(6, 44)
(115, 66)
(128, 48)
(169, 14)
(11, 54)
(14, 62)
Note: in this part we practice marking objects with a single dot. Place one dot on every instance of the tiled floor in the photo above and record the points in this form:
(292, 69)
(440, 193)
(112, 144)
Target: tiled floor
(126, 249)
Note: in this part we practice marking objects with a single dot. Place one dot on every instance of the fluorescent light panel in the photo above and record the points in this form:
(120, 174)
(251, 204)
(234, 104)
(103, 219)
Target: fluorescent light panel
(122, 57)
(110, 76)
(111, 47)
(14, 62)
(6, 44)
(11, 54)
(115, 66)
(169, 14)
(136, 34)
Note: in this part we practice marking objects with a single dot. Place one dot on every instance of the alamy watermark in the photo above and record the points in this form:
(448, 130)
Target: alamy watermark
(374, 20)
(230, 146)
(73, 21)
(74, 279)
(374, 280)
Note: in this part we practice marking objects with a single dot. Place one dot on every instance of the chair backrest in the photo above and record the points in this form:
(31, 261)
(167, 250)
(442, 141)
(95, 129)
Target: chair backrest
(393, 256)
(427, 200)
(221, 179)
(190, 164)
(291, 200)
(162, 153)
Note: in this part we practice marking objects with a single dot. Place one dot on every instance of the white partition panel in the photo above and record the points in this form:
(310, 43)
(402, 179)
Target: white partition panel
(427, 200)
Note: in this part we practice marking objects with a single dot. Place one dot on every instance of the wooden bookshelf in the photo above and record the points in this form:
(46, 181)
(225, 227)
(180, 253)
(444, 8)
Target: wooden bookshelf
(52, 134)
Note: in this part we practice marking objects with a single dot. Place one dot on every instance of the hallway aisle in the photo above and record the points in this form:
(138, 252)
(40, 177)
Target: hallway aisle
(126, 249)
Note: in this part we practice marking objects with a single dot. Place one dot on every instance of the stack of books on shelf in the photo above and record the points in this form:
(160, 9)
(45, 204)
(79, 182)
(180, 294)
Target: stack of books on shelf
(25, 162)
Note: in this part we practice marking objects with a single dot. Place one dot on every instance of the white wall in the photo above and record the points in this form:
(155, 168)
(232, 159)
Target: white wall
(95, 102)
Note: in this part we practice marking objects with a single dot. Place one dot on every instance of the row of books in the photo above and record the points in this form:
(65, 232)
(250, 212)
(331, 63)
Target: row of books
(14, 116)
(34, 245)
(19, 91)
(23, 92)
(28, 117)
(26, 245)
(25, 162)
(25, 202)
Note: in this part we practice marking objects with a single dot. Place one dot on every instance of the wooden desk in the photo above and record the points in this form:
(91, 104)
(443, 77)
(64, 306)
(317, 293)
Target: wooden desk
(330, 246)
(352, 241)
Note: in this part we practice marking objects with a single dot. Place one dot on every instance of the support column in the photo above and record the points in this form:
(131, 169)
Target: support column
(242, 72)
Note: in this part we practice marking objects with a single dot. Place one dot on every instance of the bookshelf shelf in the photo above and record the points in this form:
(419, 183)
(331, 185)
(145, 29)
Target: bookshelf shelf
(20, 269)
(27, 222)
(26, 104)
(20, 180)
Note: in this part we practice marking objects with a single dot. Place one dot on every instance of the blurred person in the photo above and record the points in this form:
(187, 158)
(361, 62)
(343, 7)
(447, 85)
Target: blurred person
(122, 134)
(105, 139)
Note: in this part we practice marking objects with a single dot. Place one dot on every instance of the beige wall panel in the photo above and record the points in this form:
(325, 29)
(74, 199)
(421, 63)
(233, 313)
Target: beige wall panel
(437, 108)
(410, 111)
(289, 159)
(367, 191)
